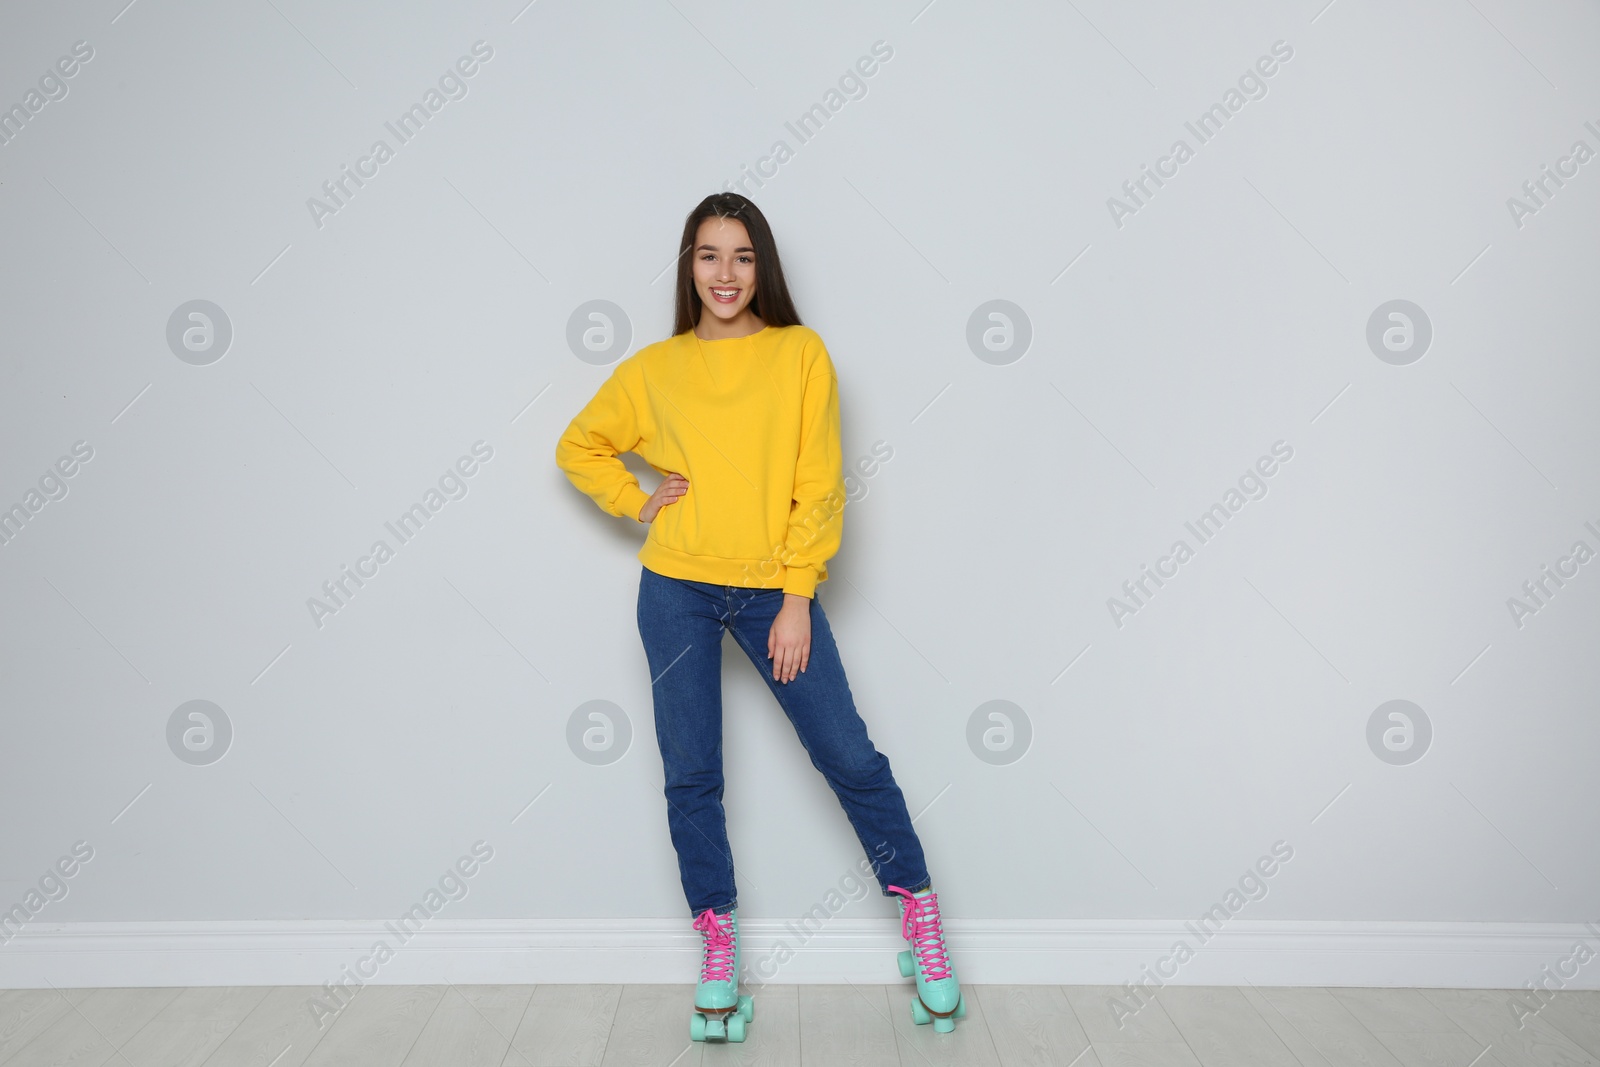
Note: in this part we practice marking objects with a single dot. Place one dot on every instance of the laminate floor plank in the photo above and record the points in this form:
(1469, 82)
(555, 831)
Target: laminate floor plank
(1109, 1014)
(565, 1026)
(1298, 1043)
(845, 1026)
(1223, 1029)
(1427, 1048)
(473, 1026)
(1145, 1054)
(97, 1024)
(281, 1031)
(192, 1026)
(1394, 1011)
(1032, 1026)
(652, 1027)
(24, 1014)
(1486, 1015)
(1576, 1013)
(1316, 1017)
(377, 1027)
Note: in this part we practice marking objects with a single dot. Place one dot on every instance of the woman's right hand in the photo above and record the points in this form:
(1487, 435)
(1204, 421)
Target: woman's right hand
(668, 492)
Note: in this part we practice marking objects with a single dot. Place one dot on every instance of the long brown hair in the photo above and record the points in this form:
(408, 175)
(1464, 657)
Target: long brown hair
(771, 302)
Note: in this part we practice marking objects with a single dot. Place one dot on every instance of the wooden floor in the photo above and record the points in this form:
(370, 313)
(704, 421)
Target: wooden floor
(825, 1026)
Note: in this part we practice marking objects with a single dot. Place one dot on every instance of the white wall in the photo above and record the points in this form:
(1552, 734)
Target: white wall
(1170, 350)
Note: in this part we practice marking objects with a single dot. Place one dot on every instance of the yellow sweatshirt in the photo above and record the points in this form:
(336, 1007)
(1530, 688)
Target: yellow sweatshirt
(753, 424)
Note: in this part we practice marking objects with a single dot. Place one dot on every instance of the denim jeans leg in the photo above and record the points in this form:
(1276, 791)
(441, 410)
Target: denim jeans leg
(819, 704)
(681, 626)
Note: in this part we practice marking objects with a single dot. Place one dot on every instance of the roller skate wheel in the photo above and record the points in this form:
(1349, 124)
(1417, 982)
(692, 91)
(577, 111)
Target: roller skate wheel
(961, 1006)
(697, 1027)
(747, 1008)
(736, 1023)
(906, 966)
(919, 1013)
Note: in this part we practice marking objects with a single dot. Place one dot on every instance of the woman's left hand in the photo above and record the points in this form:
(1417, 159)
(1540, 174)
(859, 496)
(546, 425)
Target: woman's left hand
(789, 641)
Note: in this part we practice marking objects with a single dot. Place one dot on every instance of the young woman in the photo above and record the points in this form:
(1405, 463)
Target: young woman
(739, 412)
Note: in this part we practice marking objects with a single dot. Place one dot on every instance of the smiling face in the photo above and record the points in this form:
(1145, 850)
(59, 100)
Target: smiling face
(725, 278)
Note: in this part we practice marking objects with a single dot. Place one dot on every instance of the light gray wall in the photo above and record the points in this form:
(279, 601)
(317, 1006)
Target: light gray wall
(1170, 350)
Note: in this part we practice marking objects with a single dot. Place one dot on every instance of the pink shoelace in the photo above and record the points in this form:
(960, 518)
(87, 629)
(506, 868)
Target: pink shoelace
(920, 925)
(718, 965)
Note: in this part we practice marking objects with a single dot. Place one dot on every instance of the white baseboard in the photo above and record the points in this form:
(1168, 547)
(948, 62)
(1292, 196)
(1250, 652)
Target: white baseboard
(985, 951)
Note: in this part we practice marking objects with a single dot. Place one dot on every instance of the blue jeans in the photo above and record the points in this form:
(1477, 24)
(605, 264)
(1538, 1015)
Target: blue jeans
(681, 624)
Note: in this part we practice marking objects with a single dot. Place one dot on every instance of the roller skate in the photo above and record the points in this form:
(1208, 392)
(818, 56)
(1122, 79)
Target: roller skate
(720, 1013)
(938, 997)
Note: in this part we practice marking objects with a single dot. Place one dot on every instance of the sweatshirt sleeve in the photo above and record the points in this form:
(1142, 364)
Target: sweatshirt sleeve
(816, 515)
(588, 449)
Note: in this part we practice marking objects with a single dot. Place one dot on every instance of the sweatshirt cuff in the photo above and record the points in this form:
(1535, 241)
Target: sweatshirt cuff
(630, 501)
(801, 580)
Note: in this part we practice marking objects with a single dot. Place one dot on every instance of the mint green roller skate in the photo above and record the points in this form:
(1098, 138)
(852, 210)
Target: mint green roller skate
(720, 1013)
(938, 997)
